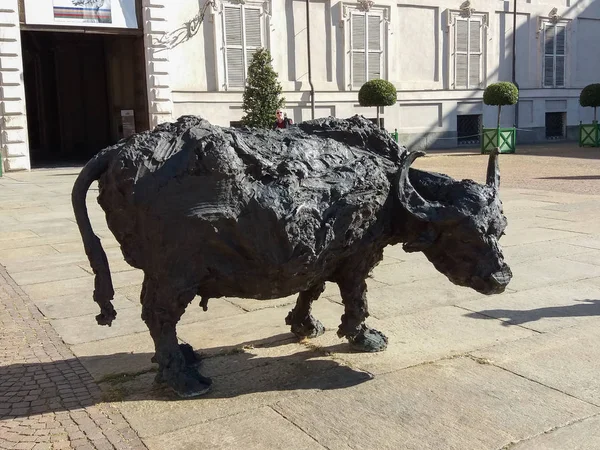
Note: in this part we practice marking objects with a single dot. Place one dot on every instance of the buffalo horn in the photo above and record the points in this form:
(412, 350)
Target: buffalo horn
(413, 201)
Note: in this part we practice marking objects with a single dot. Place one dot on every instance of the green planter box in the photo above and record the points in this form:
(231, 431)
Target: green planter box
(589, 135)
(502, 138)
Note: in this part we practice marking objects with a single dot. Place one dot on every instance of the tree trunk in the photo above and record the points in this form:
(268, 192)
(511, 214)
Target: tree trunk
(378, 121)
(595, 113)
(499, 109)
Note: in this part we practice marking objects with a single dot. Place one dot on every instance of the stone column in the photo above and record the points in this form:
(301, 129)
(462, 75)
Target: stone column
(155, 25)
(14, 145)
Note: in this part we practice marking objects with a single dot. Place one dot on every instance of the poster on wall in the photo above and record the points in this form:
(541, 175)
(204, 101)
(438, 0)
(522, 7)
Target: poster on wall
(82, 11)
(93, 13)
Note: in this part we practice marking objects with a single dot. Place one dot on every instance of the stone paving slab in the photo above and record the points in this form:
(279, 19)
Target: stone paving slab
(455, 404)
(266, 382)
(542, 309)
(83, 285)
(49, 274)
(129, 321)
(591, 257)
(238, 431)
(221, 335)
(567, 360)
(581, 435)
(549, 271)
(537, 234)
(408, 298)
(422, 337)
(76, 305)
(541, 250)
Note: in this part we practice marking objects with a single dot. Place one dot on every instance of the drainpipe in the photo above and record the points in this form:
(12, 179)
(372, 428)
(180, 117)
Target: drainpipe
(312, 89)
(514, 60)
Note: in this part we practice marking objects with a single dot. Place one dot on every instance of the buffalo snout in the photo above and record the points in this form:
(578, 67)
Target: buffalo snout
(493, 284)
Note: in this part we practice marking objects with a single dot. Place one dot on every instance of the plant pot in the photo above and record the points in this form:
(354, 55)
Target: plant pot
(589, 135)
(505, 139)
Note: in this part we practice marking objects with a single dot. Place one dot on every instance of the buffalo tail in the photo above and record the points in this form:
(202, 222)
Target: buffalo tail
(103, 287)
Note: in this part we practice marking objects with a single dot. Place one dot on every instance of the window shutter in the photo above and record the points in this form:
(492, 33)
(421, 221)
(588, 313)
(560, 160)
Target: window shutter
(358, 50)
(561, 43)
(374, 46)
(475, 53)
(462, 31)
(461, 57)
(253, 32)
(549, 39)
(234, 52)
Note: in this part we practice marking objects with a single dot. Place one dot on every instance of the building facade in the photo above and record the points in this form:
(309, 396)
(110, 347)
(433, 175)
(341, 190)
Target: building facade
(440, 54)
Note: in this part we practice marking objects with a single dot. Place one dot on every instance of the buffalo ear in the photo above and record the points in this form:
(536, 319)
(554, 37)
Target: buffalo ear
(422, 242)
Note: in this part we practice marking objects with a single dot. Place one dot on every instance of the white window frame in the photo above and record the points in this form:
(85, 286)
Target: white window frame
(453, 18)
(544, 23)
(221, 70)
(348, 10)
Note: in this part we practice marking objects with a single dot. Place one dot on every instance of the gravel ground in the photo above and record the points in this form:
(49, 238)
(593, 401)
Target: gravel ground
(554, 167)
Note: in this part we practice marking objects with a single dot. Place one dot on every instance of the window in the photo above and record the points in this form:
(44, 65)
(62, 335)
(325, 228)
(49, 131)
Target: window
(243, 35)
(468, 52)
(468, 129)
(555, 43)
(366, 46)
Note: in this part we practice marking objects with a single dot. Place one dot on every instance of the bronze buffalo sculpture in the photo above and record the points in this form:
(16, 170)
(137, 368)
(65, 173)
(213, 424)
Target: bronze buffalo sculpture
(215, 212)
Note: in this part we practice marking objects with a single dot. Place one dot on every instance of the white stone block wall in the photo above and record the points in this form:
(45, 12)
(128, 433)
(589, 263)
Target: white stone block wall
(155, 25)
(14, 147)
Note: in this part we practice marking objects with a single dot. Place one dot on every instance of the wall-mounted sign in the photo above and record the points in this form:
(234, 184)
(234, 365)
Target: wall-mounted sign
(128, 122)
(88, 13)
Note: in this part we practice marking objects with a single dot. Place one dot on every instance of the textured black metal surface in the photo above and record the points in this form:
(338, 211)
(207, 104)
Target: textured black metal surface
(212, 211)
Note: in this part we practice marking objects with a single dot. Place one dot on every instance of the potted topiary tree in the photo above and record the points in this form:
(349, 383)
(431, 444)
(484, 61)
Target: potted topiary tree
(589, 134)
(377, 93)
(504, 139)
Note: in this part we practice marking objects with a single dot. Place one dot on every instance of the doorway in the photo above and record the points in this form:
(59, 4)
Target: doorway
(77, 86)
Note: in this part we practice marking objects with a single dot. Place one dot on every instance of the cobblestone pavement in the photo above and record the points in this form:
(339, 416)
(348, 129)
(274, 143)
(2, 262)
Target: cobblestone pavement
(48, 400)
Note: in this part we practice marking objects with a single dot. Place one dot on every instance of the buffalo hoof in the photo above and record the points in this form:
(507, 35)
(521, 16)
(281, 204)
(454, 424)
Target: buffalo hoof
(191, 358)
(187, 383)
(307, 328)
(368, 340)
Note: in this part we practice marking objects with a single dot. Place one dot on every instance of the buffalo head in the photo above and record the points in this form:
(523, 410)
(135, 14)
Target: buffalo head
(460, 225)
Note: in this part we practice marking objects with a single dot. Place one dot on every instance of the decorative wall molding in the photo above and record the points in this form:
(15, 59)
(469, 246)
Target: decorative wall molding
(465, 9)
(451, 14)
(364, 5)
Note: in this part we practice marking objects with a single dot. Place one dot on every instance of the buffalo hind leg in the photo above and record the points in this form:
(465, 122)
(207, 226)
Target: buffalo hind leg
(301, 320)
(353, 327)
(162, 307)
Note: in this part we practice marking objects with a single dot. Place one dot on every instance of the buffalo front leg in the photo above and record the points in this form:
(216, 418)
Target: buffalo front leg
(162, 307)
(353, 327)
(301, 320)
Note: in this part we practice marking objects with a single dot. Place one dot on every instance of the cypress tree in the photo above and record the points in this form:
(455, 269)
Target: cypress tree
(262, 94)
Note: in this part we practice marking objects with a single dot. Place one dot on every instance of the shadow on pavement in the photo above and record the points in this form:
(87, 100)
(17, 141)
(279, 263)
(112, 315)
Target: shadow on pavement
(518, 317)
(29, 389)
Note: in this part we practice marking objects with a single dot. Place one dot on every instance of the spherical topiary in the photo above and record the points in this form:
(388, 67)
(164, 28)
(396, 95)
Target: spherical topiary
(590, 95)
(377, 93)
(501, 94)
